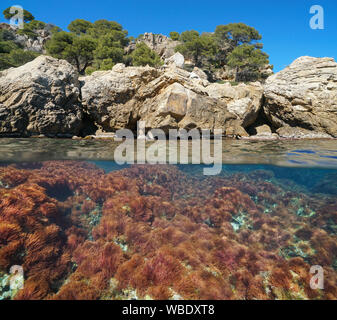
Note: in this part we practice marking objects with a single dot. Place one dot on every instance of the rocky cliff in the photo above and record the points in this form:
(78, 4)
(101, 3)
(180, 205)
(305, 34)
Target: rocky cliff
(40, 97)
(161, 44)
(301, 100)
(46, 97)
(167, 98)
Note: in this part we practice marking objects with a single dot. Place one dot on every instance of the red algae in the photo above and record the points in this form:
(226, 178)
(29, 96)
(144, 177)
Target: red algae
(156, 232)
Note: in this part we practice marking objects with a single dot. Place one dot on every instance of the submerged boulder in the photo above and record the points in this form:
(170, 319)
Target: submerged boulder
(303, 96)
(40, 97)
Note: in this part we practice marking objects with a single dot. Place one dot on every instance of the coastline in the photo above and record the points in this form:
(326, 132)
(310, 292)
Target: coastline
(46, 97)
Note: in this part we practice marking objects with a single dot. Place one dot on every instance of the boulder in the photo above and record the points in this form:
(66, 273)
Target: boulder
(108, 96)
(162, 45)
(263, 130)
(40, 97)
(178, 59)
(244, 100)
(178, 107)
(167, 98)
(302, 99)
(197, 73)
(288, 132)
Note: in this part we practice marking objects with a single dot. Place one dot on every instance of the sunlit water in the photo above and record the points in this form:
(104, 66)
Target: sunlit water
(80, 226)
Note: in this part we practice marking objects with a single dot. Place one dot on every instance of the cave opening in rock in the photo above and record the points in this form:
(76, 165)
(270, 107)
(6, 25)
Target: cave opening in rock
(89, 126)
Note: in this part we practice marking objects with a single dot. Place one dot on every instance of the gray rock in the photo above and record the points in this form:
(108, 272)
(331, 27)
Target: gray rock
(167, 99)
(36, 44)
(198, 74)
(40, 97)
(304, 96)
(300, 133)
(244, 100)
(108, 96)
(177, 59)
(264, 132)
(162, 45)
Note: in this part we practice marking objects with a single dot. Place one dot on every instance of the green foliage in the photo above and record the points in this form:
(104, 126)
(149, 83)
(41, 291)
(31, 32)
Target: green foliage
(58, 43)
(106, 47)
(199, 48)
(127, 60)
(143, 56)
(233, 83)
(99, 29)
(80, 26)
(30, 28)
(78, 50)
(104, 27)
(15, 57)
(27, 16)
(55, 29)
(81, 52)
(99, 45)
(11, 55)
(189, 36)
(109, 51)
(4, 62)
(237, 33)
(235, 44)
(7, 46)
(174, 35)
(247, 60)
(19, 57)
(6, 35)
(90, 70)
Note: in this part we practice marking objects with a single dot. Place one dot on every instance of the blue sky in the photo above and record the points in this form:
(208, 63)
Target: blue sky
(284, 24)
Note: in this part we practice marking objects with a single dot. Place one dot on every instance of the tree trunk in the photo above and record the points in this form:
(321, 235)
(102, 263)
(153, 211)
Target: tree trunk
(82, 72)
(77, 65)
(237, 74)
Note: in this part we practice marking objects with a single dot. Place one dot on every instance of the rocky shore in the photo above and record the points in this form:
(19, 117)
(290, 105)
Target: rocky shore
(46, 97)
